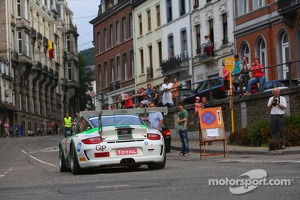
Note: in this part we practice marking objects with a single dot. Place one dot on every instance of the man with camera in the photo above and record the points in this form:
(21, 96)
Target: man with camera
(277, 106)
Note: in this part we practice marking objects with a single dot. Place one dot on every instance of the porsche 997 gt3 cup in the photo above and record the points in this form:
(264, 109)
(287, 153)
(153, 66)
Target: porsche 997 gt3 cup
(112, 138)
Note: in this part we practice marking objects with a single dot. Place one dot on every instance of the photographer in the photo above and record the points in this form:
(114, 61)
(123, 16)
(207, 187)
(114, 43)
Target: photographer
(277, 106)
(244, 74)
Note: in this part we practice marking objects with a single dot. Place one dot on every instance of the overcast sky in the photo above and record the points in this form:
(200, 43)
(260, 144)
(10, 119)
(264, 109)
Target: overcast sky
(84, 11)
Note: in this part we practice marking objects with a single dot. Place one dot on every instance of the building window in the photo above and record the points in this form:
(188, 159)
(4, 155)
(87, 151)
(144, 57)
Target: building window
(158, 20)
(211, 30)
(104, 39)
(20, 103)
(258, 3)
(99, 76)
(261, 52)
(159, 52)
(25, 9)
(98, 42)
(283, 54)
(150, 56)
(142, 61)
(125, 66)
(207, 1)
(184, 53)
(124, 28)
(112, 70)
(130, 25)
(69, 71)
(118, 68)
(132, 71)
(225, 29)
(105, 74)
(68, 44)
(182, 7)
(171, 46)
(18, 8)
(243, 7)
(27, 45)
(111, 36)
(245, 51)
(20, 42)
(169, 10)
(149, 20)
(140, 25)
(198, 39)
(117, 32)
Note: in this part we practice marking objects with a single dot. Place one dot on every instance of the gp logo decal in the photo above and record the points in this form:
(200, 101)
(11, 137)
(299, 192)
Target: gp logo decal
(100, 148)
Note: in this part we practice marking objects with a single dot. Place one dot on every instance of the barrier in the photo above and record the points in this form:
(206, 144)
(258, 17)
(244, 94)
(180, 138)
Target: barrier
(211, 130)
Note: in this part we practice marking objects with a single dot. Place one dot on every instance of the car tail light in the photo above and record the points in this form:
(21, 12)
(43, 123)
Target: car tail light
(93, 140)
(166, 132)
(152, 136)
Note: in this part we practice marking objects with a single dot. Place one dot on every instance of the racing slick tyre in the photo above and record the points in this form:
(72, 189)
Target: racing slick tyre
(153, 166)
(75, 168)
(62, 163)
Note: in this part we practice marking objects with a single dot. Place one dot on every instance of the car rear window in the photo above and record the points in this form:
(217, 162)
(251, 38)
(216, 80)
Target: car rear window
(117, 120)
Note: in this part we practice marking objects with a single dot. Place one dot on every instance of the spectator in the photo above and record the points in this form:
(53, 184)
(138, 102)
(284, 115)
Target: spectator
(226, 77)
(175, 91)
(128, 101)
(30, 132)
(167, 95)
(155, 96)
(155, 119)
(112, 107)
(146, 96)
(277, 106)
(67, 123)
(182, 129)
(120, 102)
(6, 129)
(236, 73)
(258, 76)
(244, 74)
(207, 46)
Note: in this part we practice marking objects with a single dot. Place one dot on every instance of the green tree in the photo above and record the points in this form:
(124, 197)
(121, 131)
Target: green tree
(84, 85)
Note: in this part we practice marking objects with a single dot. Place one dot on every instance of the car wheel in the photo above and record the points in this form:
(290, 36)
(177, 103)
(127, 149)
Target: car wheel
(62, 162)
(161, 165)
(75, 168)
(168, 149)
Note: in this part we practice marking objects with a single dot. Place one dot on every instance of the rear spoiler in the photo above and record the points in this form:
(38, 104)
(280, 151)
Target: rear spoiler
(131, 111)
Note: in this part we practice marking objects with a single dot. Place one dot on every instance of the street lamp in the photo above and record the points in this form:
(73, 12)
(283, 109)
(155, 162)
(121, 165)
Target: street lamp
(102, 98)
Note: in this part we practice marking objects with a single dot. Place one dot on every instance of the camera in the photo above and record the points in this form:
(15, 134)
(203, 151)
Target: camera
(275, 102)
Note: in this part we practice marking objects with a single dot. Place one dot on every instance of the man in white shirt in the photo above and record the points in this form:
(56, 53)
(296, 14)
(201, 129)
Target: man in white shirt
(277, 106)
(167, 94)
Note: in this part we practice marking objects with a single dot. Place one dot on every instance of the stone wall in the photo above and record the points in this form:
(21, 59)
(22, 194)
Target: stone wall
(246, 110)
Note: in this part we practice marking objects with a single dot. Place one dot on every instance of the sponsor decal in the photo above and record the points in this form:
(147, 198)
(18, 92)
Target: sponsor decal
(79, 146)
(127, 151)
(146, 143)
(100, 147)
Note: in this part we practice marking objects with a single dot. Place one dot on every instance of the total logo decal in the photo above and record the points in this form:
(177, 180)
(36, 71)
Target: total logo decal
(100, 148)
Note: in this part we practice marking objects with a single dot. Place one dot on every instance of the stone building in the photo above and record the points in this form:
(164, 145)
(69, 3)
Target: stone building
(39, 62)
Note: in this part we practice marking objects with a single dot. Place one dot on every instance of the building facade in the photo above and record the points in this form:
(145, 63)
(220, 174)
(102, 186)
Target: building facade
(270, 31)
(39, 62)
(114, 56)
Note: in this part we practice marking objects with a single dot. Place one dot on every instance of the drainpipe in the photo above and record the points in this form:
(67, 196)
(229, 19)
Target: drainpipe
(191, 48)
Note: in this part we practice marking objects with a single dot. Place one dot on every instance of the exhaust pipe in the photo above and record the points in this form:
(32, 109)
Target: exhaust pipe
(127, 161)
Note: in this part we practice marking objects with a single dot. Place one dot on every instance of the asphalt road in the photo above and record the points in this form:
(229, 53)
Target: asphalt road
(29, 170)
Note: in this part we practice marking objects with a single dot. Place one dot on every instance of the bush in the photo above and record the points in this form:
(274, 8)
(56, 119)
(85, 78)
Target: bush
(259, 134)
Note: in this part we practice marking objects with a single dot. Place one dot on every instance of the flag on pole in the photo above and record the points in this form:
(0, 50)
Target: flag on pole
(50, 49)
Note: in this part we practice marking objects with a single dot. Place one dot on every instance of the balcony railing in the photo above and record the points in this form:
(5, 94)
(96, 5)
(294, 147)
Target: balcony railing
(149, 72)
(118, 85)
(39, 36)
(288, 5)
(175, 63)
(33, 32)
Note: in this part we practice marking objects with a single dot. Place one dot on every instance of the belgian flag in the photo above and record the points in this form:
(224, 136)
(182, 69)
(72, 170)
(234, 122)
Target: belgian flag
(50, 49)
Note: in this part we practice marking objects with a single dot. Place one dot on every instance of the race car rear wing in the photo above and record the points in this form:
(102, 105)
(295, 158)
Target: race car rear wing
(131, 111)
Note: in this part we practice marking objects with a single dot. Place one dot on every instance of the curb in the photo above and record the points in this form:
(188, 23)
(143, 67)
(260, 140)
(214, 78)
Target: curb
(239, 152)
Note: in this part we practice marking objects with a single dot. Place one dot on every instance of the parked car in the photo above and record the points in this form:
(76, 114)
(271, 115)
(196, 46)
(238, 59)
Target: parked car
(112, 138)
(211, 88)
(281, 84)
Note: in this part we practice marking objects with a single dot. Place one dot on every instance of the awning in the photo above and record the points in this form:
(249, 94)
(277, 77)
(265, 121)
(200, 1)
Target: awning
(8, 106)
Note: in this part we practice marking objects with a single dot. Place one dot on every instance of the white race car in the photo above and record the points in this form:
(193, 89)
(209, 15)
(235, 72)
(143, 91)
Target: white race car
(112, 138)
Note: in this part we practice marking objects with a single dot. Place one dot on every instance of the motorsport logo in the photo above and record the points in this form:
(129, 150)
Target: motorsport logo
(255, 178)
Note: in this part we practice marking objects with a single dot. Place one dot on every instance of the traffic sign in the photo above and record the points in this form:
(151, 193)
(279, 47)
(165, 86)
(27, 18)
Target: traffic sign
(229, 64)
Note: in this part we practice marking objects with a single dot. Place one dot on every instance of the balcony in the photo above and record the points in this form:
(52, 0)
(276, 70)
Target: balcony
(288, 6)
(111, 86)
(14, 56)
(33, 33)
(174, 64)
(118, 85)
(39, 36)
(45, 41)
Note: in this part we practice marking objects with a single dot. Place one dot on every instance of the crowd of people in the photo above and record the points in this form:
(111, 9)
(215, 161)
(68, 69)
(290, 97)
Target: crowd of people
(242, 83)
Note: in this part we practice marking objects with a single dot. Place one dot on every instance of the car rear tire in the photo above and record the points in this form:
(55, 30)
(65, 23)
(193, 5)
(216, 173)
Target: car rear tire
(161, 165)
(168, 149)
(75, 168)
(62, 162)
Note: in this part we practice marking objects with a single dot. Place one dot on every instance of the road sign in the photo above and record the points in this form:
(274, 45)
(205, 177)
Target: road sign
(229, 64)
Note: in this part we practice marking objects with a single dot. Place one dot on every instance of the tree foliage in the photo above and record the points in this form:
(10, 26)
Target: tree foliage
(88, 55)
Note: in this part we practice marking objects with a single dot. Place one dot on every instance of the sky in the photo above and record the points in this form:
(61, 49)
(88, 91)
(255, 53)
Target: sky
(83, 12)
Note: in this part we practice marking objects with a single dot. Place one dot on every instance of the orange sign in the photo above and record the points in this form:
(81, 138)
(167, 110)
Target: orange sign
(229, 64)
(211, 118)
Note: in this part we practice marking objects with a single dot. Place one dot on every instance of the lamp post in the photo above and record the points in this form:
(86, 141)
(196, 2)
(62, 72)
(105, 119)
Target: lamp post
(102, 98)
